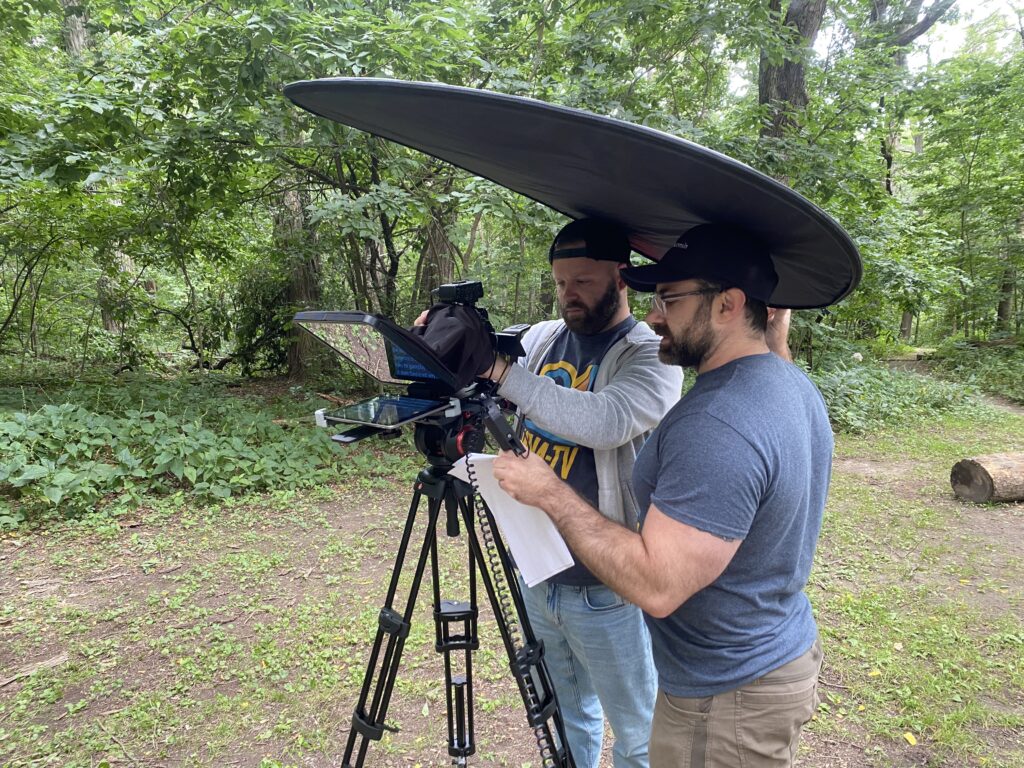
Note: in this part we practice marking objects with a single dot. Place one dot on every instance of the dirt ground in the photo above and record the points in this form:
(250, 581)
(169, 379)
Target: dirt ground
(114, 594)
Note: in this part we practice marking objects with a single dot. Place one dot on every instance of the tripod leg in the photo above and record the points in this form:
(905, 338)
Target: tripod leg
(525, 652)
(456, 631)
(392, 631)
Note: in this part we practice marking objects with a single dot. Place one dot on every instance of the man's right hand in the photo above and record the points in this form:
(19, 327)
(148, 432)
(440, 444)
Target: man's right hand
(497, 371)
(422, 319)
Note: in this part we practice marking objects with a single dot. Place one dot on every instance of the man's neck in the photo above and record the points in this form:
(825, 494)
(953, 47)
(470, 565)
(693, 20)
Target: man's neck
(619, 316)
(732, 349)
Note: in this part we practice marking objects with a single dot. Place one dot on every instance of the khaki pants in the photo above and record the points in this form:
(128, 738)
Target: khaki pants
(757, 726)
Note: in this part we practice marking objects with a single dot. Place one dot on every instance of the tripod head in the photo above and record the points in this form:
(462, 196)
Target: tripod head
(445, 438)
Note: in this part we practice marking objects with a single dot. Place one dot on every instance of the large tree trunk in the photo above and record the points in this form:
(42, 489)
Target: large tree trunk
(436, 263)
(782, 86)
(295, 239)
(76, 36)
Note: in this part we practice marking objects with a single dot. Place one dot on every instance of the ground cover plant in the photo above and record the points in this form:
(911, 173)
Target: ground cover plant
(863, 395)
(103, 445)
(998, 369)
(208, 632)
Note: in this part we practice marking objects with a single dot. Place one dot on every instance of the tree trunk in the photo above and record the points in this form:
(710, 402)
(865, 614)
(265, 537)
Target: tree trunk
(106, 295)
(1004, 310)
(76, 36)
(782, 87)
(436, 263)
(998, 477)
(295, 239)
(906, 325)
(546, 297)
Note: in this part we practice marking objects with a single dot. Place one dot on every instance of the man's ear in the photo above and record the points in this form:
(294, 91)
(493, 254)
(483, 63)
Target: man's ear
(619, 282)
(733, 300)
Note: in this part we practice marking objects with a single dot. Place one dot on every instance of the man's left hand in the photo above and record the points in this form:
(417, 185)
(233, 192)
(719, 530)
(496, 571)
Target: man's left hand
(527, 479)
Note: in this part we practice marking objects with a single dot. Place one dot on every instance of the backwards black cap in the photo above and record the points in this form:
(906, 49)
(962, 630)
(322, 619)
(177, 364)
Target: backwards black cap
(715, 252)
(602, 241)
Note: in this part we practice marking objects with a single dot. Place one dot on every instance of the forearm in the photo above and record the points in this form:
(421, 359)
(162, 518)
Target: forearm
(632, 404)
(613, 553)
(777, 333)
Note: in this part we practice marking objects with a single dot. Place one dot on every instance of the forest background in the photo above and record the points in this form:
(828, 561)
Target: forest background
(163, 206)
(165, 210)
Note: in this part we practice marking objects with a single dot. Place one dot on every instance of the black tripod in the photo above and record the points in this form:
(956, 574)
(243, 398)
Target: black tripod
(456, 627)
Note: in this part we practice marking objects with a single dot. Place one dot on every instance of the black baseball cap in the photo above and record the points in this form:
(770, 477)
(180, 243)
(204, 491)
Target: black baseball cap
(719, 253)
(602, 241)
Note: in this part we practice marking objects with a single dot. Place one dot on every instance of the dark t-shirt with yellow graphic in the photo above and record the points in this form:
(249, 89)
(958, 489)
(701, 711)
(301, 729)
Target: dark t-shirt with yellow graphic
(573, 361)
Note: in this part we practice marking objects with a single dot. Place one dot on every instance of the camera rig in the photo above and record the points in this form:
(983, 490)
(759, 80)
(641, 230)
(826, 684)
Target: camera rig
(452, 412)
(450, 408)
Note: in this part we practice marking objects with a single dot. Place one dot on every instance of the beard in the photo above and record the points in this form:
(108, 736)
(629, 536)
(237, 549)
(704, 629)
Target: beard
(596, 319)
(693, 343)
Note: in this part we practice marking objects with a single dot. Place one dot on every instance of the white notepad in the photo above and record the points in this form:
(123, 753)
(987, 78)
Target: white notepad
(536, 545)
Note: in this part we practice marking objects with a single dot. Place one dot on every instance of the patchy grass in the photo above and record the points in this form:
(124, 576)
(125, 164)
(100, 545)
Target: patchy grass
(920, 600)
(237, 633)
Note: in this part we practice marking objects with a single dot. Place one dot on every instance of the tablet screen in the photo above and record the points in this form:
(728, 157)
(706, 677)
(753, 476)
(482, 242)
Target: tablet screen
(386, 411)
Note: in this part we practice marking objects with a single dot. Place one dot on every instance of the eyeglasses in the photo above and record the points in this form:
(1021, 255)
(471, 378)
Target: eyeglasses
(660, 302)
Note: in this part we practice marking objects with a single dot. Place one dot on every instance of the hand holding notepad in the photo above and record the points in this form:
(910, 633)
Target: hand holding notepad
(535, 543)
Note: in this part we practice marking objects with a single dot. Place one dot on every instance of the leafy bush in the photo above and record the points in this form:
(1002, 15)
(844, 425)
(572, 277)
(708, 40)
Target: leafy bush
(864, 397)
(104, 442)
(996, 369)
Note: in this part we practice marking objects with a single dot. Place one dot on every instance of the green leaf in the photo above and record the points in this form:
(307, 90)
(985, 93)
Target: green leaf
(177, 467)
(29, 473)
(220, 491)
(54, 493)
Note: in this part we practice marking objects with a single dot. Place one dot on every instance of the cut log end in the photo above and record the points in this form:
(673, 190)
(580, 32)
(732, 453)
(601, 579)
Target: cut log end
(995, 478)
(971, 482)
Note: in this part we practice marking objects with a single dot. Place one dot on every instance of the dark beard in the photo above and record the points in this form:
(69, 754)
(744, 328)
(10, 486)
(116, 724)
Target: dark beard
(690, 349)
(595, 320)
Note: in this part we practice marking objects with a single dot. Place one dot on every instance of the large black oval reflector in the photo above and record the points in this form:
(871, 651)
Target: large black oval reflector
(581, 164)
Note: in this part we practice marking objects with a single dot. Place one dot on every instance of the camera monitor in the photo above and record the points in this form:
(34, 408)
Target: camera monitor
(391, 355)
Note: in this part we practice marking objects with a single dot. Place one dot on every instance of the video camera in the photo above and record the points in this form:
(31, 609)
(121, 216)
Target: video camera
(438, 363)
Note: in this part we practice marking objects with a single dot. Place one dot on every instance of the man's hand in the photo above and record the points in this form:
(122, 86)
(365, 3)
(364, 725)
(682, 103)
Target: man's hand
(777, 334)
(528, 479)
(422, 319)
(497, 371)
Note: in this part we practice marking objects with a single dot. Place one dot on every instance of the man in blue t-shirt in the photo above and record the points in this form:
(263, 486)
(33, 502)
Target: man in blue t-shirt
(733, 483)
(590, 389)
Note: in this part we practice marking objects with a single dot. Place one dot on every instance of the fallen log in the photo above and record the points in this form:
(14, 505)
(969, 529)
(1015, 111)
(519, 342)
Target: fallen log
(998, 477)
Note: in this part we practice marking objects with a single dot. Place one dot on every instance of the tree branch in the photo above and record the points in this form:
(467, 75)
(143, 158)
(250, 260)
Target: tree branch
(931, 16)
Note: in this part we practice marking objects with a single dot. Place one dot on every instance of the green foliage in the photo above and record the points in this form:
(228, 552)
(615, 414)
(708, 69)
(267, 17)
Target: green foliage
(109, 443)
(998, 369)
(864, 396)
(159, 194)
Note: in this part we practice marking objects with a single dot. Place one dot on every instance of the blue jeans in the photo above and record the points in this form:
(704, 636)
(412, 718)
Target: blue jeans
(598, 654)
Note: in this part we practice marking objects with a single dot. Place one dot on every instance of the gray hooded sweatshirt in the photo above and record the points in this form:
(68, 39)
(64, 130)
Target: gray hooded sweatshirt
(632, 392)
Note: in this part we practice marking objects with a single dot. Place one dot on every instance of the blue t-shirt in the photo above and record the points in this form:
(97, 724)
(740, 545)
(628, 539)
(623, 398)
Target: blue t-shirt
(746, 454)
(573, 361)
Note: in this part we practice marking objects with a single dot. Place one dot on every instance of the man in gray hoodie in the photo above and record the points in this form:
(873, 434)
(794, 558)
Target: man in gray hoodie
(590, 389)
